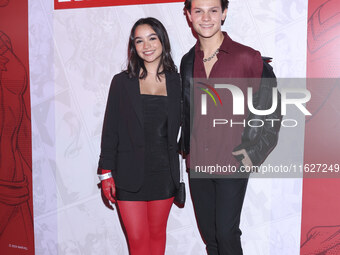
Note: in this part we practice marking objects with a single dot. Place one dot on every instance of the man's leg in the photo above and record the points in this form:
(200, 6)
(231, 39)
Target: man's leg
(203, 197)
(229, 200)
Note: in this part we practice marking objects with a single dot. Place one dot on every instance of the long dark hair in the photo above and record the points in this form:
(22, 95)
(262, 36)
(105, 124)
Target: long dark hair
(135, 62)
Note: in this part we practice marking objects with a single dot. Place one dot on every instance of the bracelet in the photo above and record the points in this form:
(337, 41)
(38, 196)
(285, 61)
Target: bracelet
(103, 177)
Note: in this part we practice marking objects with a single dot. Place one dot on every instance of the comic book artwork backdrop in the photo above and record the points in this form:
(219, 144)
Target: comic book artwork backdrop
(90, 46)
(320, 226)
(74, 52)
(16, 211)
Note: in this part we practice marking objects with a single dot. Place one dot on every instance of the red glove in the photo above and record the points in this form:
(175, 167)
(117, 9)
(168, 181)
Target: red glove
(109, 187)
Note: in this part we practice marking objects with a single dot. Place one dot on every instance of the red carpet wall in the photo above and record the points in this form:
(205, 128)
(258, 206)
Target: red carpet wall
(320, 233)
(16, 203)
(75, 47)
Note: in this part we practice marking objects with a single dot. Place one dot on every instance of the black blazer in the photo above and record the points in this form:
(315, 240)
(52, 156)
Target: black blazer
(122, 145)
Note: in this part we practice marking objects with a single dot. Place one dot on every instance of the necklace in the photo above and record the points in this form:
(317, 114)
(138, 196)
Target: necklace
(212, 56)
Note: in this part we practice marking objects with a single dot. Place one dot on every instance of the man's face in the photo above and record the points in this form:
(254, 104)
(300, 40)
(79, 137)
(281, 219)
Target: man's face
(206, 17)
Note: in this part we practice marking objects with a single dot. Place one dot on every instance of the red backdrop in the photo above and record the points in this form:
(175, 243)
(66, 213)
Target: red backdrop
(16, 210)
(320, 230)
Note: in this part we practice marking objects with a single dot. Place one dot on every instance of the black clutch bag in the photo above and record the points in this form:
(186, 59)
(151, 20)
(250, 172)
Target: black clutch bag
(180, 196)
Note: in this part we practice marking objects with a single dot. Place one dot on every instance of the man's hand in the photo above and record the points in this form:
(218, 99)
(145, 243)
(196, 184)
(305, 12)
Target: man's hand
(246, 161)
(109, 187)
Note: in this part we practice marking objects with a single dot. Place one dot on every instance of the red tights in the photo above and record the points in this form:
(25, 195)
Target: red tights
(145, 225)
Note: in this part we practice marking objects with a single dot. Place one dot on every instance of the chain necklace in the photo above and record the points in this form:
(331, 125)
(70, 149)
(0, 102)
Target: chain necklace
(212, 56)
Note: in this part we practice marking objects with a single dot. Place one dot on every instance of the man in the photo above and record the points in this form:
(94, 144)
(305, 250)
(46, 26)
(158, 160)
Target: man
(218, 201)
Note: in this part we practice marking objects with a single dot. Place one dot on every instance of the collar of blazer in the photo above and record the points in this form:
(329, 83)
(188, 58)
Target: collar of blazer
(135, 98)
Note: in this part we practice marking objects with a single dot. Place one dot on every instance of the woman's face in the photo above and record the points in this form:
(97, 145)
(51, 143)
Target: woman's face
(148, 45)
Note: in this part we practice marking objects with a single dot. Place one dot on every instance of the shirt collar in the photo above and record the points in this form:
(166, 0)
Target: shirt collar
(225, 46)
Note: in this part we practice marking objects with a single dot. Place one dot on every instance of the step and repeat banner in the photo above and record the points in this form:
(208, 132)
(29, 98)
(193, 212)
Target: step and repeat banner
(57, 59)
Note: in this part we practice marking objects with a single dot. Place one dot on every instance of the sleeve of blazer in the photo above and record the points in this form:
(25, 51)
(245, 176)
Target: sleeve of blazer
(269, 135)
(181, 147)
(186, 70)
(110, 139)
(260, 141)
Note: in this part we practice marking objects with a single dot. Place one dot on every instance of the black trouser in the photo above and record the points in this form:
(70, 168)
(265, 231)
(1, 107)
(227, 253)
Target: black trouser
(218, 204)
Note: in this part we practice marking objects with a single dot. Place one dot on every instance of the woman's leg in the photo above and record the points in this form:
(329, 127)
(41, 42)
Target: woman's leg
(158, 213)
(134, 215)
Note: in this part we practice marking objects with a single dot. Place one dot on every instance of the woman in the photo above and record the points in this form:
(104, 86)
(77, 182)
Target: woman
(139, 139)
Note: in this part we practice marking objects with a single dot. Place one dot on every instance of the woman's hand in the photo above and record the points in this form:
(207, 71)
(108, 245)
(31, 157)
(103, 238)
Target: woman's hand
(109, 187)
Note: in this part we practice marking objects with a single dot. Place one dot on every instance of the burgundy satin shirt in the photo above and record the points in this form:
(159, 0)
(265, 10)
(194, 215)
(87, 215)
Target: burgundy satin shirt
(238, 65)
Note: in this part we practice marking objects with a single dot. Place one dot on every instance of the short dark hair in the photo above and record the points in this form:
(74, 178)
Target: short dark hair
(135, 62)
(224, 4)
